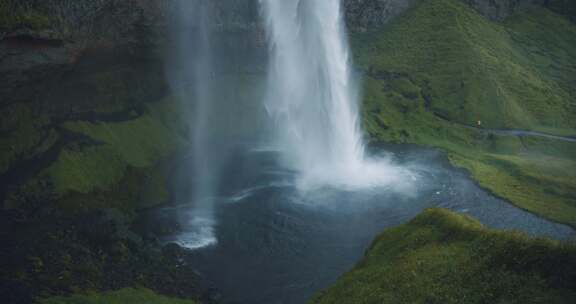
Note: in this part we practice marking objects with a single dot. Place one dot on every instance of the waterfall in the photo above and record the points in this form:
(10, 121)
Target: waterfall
(311, 96)
(312, 99)
(192, 75)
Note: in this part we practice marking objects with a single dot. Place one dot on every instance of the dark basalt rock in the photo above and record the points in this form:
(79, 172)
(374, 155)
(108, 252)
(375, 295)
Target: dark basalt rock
(108, 225)
(499, 10)
(364, 15)
(59, 254)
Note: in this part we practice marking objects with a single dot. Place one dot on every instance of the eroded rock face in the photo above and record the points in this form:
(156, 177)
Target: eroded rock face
(500, 9)
(35, 51)
(22, 54)
(363, 15)
(138, 26)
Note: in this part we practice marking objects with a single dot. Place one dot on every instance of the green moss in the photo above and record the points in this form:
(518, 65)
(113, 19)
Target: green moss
(139, 142)
(123, 296)
(152, 190)
(21, 134)
(468, 69)
(87, 170)
(12, 18)
(120, 168)
(443, 257)
(137, 189)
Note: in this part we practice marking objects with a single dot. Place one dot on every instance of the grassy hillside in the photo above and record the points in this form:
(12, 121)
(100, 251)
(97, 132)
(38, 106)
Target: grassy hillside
(441, 75)
(515, 75)
(443, 257)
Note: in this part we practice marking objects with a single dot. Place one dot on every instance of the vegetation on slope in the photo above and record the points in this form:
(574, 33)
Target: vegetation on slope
(441, 75)
(139, 143)
(94, 164)
(443, 257)
(12, 18)
(90, 251)
(84, 144)
(122, 296)
(470, 69)
(22, 134)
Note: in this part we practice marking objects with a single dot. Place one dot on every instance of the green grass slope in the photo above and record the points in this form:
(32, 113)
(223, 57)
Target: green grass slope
(438, 70)
(123, 296)
(124, 162)
(443, 257)
(514, 75)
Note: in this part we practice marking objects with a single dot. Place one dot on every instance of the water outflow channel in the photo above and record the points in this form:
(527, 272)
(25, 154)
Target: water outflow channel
(276, 245)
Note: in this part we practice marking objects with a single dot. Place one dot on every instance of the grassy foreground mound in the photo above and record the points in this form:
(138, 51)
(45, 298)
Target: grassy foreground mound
(443, 75)
(122, 296)
(444, 257)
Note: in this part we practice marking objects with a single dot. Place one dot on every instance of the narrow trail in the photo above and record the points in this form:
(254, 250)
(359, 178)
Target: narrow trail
(510, 132)
(516, 132)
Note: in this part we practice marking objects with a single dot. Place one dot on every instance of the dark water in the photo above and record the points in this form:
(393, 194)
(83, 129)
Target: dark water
(276, 245)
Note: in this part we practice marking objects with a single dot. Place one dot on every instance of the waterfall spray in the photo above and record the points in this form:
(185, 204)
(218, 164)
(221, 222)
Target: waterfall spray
(312, 97)
(191, 71)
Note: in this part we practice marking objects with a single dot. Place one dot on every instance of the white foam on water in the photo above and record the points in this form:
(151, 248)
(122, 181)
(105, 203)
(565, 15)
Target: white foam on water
(199, 233)
(191, 64)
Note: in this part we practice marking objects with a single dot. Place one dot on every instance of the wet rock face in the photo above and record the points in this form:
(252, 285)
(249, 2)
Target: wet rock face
(96, 251)
(84, 23)
(500, 9)
(235, 26)
(35, 51)
(21, 54)
(363, 15)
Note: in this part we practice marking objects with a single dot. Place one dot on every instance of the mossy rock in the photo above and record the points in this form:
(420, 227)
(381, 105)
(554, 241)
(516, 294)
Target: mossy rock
(444, 257)
(138, 143)
(123, 296)
(13, 18)
(92, 251)
(22, 134)
(122, 166)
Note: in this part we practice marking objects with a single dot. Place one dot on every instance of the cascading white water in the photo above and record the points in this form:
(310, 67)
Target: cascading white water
(312, 97)
(192, 71)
